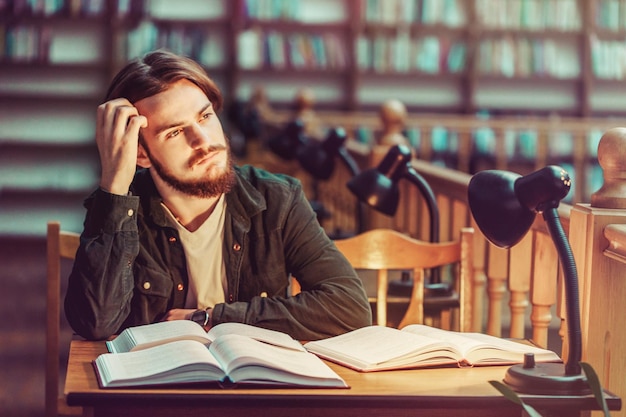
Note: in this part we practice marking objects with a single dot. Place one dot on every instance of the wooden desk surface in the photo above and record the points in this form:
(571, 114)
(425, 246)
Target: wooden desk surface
(433, 392)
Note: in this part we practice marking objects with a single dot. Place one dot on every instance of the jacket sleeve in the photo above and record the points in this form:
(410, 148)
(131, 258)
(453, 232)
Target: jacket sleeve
(100, 286)
(332, 301)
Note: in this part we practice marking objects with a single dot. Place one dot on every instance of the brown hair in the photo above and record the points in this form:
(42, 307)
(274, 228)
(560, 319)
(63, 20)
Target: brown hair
(155, 72)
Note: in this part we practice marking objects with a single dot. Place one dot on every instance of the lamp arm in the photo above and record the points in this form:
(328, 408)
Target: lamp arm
(431, 201)
(348, 161)
(566, 258)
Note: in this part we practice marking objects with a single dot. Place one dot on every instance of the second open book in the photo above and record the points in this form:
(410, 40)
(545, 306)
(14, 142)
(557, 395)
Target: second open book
(377, 348)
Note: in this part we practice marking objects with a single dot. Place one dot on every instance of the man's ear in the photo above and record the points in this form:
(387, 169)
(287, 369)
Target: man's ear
(143, 160)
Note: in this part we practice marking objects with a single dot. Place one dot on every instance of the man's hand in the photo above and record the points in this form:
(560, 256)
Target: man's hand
(117, 137)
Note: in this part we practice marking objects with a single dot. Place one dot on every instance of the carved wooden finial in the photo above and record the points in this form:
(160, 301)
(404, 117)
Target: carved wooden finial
(260, 102)
(612, 159)
(305, 112)
(305, 99)
(393, 115)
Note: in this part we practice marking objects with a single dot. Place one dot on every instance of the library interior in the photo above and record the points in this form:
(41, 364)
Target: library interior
(324, 90)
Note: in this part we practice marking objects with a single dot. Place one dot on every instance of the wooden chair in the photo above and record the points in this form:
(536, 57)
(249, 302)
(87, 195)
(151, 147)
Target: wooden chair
(385, 250)
(60, 245)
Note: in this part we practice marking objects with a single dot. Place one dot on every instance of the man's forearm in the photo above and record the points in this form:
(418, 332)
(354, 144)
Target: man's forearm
(101, 283)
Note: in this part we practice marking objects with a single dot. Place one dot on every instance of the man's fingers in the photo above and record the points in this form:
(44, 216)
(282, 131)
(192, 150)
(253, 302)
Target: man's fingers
(135, 123)
(107, 111)
(121, 118)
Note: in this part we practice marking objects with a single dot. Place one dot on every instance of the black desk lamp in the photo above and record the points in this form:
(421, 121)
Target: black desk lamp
(378, 187)
(286, 143)
(504, 206)
(318, 159)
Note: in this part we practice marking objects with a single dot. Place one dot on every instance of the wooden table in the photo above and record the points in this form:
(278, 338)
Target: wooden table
(425, 392)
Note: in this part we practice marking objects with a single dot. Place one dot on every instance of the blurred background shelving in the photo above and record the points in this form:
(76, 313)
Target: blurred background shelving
(559, 58)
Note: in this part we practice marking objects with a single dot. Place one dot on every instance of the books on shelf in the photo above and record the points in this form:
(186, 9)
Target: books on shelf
(178, 352)
(563, 15)
(526, 56)
(377, 348)
(258, 49)
(430, 12)
(403, 53)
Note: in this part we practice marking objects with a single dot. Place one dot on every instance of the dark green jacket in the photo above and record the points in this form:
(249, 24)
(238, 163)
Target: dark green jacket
(130, 268)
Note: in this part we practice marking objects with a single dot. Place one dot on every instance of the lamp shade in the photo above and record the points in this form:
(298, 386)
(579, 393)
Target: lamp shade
(378, 187)
(504, 204)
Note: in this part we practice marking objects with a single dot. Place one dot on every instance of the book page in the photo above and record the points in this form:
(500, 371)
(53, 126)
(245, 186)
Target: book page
(248, 360)
(258, 333)
(179, 361)
(479, 347)
(380, 347)
(142, 337)
(461, 341)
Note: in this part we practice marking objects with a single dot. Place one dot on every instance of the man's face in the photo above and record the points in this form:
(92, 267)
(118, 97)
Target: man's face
(184, 141)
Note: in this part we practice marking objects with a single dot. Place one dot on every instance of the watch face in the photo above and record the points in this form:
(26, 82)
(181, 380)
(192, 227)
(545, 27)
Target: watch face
(200, 317)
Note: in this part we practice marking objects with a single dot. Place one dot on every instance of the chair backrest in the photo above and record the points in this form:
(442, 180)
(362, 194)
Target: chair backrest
(60, 245)
(384, 250)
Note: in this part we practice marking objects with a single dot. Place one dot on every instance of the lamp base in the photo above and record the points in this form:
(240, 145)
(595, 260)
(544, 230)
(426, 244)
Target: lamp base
(437, 289)
(546, 379)
(404, 288)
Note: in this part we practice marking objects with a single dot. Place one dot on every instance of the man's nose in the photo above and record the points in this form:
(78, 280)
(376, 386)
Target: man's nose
(197, 136)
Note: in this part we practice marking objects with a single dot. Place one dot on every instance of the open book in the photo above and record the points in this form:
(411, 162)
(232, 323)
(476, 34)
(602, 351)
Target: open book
(377, 348)
(176, 352)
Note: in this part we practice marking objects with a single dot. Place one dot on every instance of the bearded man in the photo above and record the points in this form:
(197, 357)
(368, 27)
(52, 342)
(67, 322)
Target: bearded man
(177, 231)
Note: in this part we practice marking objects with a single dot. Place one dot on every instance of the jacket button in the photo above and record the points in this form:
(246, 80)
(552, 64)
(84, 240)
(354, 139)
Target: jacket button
(172, 239)
(130, 212)
(146, 285)
(237, 247)
(180, 287)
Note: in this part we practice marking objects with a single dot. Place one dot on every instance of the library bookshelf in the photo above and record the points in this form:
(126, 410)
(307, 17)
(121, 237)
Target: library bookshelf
(558, 58)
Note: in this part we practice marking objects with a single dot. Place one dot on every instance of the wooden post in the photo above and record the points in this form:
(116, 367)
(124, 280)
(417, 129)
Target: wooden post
(602, 279)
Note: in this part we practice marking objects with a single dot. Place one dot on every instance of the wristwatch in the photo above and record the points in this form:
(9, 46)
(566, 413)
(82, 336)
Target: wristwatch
(202, 317)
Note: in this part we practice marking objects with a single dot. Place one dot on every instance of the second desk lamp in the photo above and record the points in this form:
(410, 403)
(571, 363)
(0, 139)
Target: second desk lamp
(378, 187)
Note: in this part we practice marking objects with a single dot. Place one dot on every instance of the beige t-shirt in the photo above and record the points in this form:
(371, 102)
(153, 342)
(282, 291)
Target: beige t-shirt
(205, 264)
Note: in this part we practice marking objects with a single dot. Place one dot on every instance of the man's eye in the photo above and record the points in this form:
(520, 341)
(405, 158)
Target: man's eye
(174, 133)
(205, 116)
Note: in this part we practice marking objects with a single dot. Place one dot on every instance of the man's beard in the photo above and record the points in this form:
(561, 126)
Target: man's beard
(203, 187)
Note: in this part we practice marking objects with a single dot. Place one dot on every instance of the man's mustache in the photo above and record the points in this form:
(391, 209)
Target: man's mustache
(203, 153)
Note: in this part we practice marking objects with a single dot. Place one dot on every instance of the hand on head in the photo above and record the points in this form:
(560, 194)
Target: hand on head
(117, 136)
